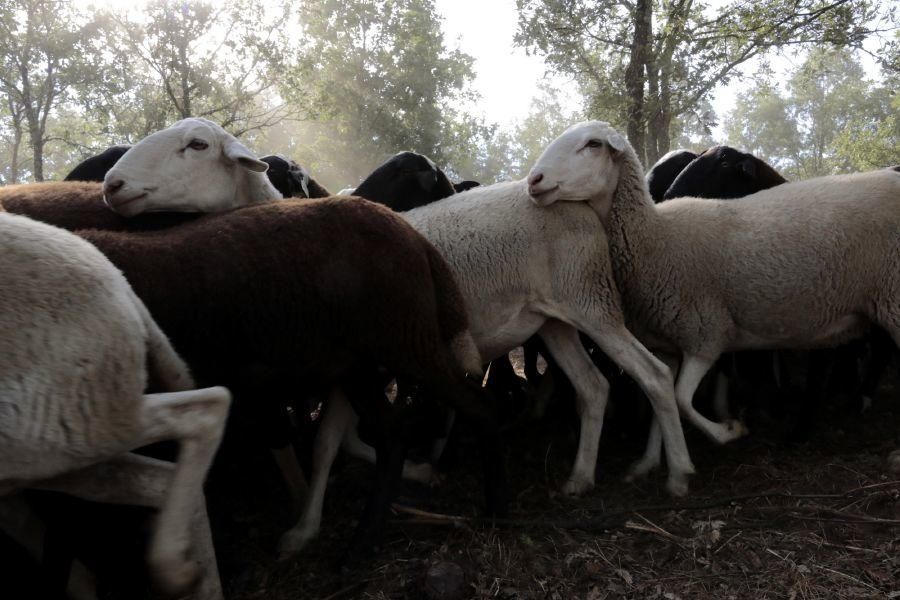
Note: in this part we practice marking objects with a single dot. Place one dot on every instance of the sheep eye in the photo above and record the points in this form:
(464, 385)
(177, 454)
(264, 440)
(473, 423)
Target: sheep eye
(594, 144)
(198, 145)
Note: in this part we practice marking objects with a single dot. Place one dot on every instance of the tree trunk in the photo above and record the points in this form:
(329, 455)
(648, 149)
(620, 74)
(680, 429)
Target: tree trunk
(37, 146)
(16, 113)
(635, 76)
(185, 82)
(660, 119)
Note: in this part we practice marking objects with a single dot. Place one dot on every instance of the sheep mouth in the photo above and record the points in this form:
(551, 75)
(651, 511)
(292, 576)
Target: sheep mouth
(543, 196)
(118, 204)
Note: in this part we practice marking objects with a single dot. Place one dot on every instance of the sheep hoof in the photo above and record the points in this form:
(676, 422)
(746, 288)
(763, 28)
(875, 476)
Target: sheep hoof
(175, 578)
(640, 469)
(678, 485)
(576, 487)
(736, 429)
(292, 542)
(894, 461)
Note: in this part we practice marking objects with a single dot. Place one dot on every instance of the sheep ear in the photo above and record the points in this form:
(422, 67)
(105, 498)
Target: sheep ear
(239, 153)
(616, 141)
(301, 177)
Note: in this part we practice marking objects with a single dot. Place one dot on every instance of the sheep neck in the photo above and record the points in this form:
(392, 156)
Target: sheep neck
(632, 224)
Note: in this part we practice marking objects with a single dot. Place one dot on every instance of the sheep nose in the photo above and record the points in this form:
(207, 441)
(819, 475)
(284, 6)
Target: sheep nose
(112, 186)
(535, 178)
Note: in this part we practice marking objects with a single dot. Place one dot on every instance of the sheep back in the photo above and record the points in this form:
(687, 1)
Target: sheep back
(76, 205)
(73, 348)
(306, 288)
(825, 246)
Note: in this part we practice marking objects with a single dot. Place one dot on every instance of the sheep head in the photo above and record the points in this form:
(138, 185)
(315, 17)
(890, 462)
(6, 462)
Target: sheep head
(287, 176)
(192, 166)
(579, 166)
(405, 181)
(723, 172)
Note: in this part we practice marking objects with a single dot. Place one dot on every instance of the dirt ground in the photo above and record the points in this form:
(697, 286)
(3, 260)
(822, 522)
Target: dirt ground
(764, 519)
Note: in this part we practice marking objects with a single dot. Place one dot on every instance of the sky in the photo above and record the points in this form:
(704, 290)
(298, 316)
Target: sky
(506, 77)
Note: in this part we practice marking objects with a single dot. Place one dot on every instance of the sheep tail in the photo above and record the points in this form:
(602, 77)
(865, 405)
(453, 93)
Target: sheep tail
(167, 372)
(452, 319)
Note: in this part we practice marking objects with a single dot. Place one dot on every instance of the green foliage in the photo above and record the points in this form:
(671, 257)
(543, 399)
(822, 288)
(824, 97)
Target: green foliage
(830, 119)
(692, 49)
(199, 59)
(49, 50)
(382, 80)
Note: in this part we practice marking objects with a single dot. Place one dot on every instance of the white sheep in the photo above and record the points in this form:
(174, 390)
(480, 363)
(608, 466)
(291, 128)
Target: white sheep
(192, 166)
(524, 271)
(76, 352)
(802, 265)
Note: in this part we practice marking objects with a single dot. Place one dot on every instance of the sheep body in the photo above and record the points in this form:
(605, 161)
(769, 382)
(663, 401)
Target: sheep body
(74, 362)
(525, 271)
(801, 265)
(74, 205)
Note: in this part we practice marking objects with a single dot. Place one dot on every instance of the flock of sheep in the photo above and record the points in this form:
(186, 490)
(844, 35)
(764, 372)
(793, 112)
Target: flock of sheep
(386, 311)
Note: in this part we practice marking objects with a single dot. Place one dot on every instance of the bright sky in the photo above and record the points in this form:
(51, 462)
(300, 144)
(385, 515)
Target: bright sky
(506, 77)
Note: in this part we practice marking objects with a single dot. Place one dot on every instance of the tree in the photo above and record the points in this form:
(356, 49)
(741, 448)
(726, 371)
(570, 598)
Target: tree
(178, 59)
(49, 49)
(546, 119)
(829, 119)
(644, 75)
(762, 123)
(382, 80)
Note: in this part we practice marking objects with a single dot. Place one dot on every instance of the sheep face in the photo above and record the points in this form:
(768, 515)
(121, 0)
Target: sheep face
(578, 166)
(287, 176)
(192, 166)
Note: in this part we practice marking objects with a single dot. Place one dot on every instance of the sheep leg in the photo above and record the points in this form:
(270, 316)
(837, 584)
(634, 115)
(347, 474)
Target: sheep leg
(19, 522)
(292, 473)
(196, 418)
(655, 379)
(423, 473)
(389, 452)
(693, 368)
(139, 480)
(591, 393)
(721, 405)
(882, 350)
(337, 417)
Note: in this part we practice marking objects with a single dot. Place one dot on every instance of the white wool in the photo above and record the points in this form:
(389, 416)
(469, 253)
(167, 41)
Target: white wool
(800, 265)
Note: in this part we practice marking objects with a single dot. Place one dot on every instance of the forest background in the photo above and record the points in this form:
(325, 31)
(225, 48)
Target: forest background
(340, 85)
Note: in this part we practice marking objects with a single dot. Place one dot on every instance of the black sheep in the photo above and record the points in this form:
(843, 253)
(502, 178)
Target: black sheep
(94, 168)
(405, 181)
(663, 173)
(291, 179)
